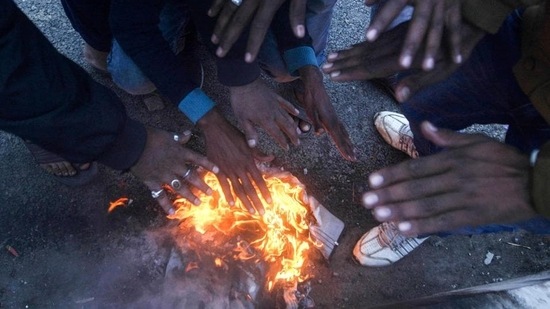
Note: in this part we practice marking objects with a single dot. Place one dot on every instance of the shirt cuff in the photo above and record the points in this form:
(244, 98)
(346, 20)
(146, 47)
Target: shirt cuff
(127, 148)
(196, 104)
(299, 57)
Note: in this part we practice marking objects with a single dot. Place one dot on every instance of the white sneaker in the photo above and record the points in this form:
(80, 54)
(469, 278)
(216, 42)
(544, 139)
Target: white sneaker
(384, 245)
(396, 131)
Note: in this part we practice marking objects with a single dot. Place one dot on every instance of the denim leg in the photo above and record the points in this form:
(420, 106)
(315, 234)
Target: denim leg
(405, 15)
(483, 91)
(318, 19)
(174, 18)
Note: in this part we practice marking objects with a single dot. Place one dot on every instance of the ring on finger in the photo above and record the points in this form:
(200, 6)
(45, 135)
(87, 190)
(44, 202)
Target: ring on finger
(157, 194)
(176, 138)
(176, 184)
(236, 2)
(189, 170)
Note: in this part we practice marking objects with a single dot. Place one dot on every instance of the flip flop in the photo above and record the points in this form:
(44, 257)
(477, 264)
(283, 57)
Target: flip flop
(82, 176)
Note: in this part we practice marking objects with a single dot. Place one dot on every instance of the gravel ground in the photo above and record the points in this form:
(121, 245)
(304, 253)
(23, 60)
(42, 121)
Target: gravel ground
(73, 255)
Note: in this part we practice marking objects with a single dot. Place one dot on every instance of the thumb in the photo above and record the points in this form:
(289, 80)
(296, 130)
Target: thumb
(251, 134)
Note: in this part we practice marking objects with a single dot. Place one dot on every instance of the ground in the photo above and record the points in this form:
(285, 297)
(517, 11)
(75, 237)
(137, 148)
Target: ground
(72, 254)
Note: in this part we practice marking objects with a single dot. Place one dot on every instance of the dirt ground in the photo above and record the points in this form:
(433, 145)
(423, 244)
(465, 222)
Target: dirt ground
(72, 254)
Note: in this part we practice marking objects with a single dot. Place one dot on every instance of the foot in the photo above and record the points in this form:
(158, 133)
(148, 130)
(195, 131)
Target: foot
(95, 58)
(384, 245)
(396, 131)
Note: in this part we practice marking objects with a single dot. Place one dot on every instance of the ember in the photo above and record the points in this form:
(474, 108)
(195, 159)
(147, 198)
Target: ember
(118, 203)
(280, 237)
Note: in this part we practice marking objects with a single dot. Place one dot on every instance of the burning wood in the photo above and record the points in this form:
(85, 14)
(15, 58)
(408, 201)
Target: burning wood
(268, 251)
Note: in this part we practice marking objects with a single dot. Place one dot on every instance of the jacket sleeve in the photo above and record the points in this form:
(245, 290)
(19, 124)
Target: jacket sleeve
(48, 99)
(489, 14)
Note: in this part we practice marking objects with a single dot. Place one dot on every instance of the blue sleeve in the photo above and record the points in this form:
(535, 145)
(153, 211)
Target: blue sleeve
(195, 105)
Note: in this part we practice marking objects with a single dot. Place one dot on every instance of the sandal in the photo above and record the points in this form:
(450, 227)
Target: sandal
(70, 174)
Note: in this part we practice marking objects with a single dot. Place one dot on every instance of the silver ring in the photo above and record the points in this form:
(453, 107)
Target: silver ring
(176, 184)
(176, 138)
(157, 194)
(187, 173)
(237, 2)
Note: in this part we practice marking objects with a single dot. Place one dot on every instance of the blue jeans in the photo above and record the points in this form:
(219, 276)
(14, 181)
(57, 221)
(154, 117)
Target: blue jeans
(484, 91)
(174, 18)
(318, 18)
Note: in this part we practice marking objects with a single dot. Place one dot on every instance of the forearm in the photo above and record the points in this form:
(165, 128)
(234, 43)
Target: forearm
(46, 98)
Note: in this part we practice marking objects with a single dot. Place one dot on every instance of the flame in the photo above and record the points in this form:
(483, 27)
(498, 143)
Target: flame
(120, 202)
(280, 237)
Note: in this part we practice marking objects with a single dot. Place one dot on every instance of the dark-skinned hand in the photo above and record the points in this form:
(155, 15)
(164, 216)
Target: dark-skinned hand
(379, 59)
(432, 20)
(321, 112)
(164, 160)
(257, 105)
(226, 146)
(474, 181)
(232, 20)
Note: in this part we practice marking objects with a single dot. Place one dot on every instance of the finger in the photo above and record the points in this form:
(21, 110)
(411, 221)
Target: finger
(410, 85)
(186, 193)
(418, 209)
(442, 223)
(198, 182)
(250, 133)
(297, 16)
(377, 68)
(383, 19)
(234, 28)
(288, 107)
(435, 33)
(257, 178)
(415, 35)
(216, 7)
(224, 18)
(163, 200)
(258, 28)
(190, 156)
(343, 142)
(448, 138)
(453, 25)
(226, 188)
(252, 196)
(241, 194)
(262, 157)
(288, 126)
(276, 134)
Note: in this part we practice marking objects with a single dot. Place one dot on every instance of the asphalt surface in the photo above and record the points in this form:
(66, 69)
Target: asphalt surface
(72, 254)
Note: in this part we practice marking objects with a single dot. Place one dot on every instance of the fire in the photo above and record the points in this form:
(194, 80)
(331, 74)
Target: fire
(280, 237)
(120, 202)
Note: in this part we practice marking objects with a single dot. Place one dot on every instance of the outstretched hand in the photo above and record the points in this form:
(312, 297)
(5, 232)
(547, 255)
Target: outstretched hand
(430, 21)
(233, 19)
(474, 181)
(256, 104)
(379, 59)
(226, 146)
(165, 160)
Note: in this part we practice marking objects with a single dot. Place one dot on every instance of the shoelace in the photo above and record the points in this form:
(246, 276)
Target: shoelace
(398, 243)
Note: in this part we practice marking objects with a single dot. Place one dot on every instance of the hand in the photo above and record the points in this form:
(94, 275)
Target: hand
(164, 160)
(226, 146)
(257, 105)
(367, 60)
(474, 181)
(321, 112)
(233, 19)
(431, 19)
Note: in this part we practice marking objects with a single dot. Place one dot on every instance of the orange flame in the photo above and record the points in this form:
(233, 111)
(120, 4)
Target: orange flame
(120, 202)
(280, 237)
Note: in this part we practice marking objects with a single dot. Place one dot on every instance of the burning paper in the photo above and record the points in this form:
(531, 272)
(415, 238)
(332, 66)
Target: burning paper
(280, 239)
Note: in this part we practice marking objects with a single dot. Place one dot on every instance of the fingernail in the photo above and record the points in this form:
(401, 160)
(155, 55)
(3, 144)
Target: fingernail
(252, 143)
(269, 200)
(369, 199)
(219, 52)
(382, 212)
(458, 59)
(406, 61)
(429, 64)
(327, 65)
(251, 210)
(300, 31)
(232, 203)
(209, 192)
(214, 39)
(248, 57)
(296, 111)
(431, 127)
(215, 170)
(197, 202)
(404, 94)
(298, 131)
(335, 74)
(371, 35)
(306, 127)
(376, 180)
(186, 133)
(171, 211)
(209, 13)
(332, 56)
(404, 226)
